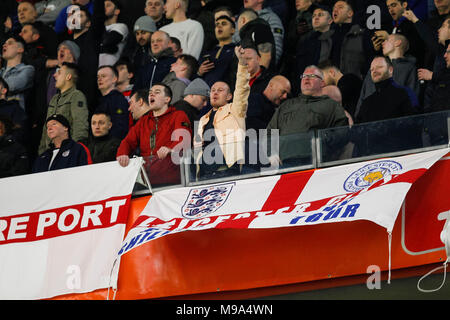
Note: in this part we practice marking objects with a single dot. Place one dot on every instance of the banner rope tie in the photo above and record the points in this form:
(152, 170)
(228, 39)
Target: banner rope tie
(444, 266)
(389, 262)
(445, 237)
(110, 278)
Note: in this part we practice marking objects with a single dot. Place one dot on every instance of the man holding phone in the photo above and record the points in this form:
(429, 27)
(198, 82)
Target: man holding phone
(403, 26)
(215, 64)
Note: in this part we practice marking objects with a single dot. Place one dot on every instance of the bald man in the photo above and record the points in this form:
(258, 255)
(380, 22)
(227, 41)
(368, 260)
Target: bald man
(262, 105)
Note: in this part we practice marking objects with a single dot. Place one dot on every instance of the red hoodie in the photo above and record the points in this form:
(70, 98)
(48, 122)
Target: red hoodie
(149, 134)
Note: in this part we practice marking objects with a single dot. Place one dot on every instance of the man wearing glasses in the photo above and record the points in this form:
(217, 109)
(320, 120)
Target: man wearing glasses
(310, 110)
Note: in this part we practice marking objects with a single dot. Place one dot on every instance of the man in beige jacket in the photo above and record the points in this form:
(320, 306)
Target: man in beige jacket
(220, 140)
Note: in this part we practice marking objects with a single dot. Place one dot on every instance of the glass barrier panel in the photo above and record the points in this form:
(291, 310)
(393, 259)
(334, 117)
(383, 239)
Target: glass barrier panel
(382, 137)
(260, 154)
(159, 173)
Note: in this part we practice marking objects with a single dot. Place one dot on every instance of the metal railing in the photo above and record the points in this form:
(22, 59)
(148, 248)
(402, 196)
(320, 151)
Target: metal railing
(314, 149)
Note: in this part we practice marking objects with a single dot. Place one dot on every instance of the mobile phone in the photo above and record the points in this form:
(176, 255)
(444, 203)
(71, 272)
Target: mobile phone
(207, 57)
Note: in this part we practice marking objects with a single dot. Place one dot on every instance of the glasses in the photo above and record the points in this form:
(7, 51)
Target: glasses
(310, 76)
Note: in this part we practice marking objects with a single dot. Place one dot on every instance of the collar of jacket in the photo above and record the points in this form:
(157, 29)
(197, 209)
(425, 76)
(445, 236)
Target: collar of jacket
(349, 28)
(325, 35)
(406, 59)
(64, 143)
(384, 84)
(308, 98)
(5, 69)
(169, 110)
(68, 91)
(164, 53)
(102, 138)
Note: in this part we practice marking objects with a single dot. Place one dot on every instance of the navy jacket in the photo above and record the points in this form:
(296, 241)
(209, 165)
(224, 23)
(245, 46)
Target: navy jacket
(116, 105)
(222, 65)
(71, 154)
(155, 71)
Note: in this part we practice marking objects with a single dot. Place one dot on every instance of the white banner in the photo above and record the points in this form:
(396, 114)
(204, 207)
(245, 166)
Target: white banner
(60, 230)
(372, 190)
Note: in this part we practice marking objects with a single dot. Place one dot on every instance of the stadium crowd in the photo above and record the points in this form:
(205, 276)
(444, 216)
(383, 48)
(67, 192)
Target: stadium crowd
(89, 81)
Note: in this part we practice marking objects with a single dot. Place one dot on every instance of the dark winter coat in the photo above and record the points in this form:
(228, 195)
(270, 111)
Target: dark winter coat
(70, 154)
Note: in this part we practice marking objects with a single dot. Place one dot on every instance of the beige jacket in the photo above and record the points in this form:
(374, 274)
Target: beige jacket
(229, 122)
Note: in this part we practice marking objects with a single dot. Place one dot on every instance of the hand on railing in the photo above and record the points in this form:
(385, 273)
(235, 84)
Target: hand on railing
(123, 160)
(275, 160)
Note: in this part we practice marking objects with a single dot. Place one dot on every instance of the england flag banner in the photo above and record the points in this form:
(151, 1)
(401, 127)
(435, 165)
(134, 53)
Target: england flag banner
(60, 230)
(372, 190)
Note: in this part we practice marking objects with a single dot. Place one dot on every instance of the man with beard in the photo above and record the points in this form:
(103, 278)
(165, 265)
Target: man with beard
(389, 100)
(140, 51)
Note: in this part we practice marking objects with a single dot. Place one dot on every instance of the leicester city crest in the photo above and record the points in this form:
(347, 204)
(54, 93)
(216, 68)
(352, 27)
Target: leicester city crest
(371, 173)
(206, 200)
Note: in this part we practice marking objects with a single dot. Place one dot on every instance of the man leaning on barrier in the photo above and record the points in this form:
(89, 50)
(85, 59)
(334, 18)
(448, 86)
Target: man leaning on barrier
(154, 134)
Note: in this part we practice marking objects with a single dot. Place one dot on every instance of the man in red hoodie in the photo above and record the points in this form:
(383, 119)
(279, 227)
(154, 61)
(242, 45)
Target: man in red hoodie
(152, 134)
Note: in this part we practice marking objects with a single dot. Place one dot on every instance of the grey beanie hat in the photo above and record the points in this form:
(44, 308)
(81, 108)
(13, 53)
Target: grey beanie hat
(197, 86)
(73, 47)
(145, 23)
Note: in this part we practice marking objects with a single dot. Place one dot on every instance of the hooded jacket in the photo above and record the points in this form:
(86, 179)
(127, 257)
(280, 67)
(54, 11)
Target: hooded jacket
(151, 133)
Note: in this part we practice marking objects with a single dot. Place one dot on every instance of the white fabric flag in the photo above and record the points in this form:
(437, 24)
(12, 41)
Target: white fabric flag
(372, 190)
(60, 230)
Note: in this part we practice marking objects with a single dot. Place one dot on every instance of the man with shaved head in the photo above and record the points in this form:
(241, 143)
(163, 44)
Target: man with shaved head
(262, 105)
(221, 132)
(160, 65)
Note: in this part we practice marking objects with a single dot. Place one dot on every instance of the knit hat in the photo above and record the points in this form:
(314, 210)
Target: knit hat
(198, 87)
(145, 23)
(60, 118)
(73, 47)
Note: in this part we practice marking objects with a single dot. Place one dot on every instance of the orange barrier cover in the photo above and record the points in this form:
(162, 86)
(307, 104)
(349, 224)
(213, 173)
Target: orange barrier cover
(215, 261)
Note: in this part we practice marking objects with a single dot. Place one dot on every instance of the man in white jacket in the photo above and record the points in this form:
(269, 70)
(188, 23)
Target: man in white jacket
(188, 31)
